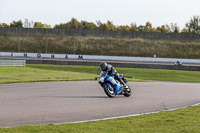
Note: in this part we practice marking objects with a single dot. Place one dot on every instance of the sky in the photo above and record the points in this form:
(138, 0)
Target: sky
(120, 12)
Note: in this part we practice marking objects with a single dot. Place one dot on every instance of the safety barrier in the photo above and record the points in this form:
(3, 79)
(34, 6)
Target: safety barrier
(12, 62)
(96, 58)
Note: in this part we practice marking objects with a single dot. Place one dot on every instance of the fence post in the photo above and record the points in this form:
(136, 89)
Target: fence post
(16, 30)
(73, 46)
(129, 41)
(185, 48)
(101, 47)
(158, 50)
(185, 52)
(19, 46)
(130, 49)
(46, 50)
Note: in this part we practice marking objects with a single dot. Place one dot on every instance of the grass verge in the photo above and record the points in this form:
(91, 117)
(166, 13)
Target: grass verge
(36, 73)
(185, 120)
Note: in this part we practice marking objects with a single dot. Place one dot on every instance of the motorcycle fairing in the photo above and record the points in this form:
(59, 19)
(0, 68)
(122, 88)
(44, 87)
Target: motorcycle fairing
(110, 79)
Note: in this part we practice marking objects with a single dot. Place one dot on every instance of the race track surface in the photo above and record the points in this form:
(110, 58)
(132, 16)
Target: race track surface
(60, 102)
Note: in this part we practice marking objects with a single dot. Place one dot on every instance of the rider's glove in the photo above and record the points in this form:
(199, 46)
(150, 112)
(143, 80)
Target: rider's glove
(117, 75)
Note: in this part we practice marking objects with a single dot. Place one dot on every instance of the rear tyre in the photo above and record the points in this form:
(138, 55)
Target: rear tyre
(109, 92)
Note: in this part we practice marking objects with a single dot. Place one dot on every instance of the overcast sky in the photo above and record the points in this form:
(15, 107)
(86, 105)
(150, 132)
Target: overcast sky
(120, 12)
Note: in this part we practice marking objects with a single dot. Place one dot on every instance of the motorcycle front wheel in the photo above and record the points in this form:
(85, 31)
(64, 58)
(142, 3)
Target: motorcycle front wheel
(127, 92)
(109, 92)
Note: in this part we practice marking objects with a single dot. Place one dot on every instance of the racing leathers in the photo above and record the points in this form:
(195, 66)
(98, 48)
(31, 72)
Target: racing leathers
(112, 72)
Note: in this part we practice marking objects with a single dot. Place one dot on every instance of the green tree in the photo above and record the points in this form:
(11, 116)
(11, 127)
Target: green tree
(173, 28)
(142, 28)
(193, 25)
(60, 26)
(16, 24)
(3, 25)
(41, 25)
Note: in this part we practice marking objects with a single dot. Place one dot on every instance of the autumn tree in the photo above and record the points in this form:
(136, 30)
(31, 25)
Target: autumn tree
(61, 26)
(3, 25)
(162, 29)
(148, 26)
(101, 26)
(110, 26)
(184, 30)
(41, 25)
(123, 28)
(91, 26)
(134, 27)
(74, 24)
(88, 25)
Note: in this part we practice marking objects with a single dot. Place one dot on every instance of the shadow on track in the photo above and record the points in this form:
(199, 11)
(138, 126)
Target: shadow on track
(97, 97)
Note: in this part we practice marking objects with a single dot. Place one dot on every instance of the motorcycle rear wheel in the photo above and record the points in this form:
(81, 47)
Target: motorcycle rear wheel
(109, 93)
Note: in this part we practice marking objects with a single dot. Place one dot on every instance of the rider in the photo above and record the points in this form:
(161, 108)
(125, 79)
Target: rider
(112, 72)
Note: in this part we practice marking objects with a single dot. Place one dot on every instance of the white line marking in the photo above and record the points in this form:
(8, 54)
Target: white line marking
(124, 116)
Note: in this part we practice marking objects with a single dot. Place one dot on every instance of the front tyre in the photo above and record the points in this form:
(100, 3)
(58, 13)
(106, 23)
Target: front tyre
(109, 91)
(127, 92)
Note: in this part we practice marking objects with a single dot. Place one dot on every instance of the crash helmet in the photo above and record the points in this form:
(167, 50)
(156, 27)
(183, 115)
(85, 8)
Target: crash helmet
(103, 66)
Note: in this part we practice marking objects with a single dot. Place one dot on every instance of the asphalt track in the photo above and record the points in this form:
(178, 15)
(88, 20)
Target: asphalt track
(62, 102)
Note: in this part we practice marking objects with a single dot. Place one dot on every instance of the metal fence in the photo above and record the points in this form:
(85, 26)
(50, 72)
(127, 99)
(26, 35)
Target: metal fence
(88, 42)
(101, 33)
(110, 46)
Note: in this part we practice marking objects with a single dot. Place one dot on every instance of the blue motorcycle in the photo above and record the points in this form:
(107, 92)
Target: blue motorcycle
(113, 87)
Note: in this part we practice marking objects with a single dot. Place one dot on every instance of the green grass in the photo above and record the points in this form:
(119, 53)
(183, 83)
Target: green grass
(185, 120)
(162, 74)
(36, 73)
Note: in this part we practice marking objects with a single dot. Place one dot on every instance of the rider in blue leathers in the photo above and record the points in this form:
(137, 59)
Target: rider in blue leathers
(112, 72)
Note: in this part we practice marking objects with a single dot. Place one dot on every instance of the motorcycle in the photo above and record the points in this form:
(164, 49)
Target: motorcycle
(113, 87)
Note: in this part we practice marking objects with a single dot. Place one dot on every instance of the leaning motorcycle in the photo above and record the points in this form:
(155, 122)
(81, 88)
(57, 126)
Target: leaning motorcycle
(113, 87)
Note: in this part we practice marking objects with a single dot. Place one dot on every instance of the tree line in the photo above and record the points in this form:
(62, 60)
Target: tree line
(192, 26)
